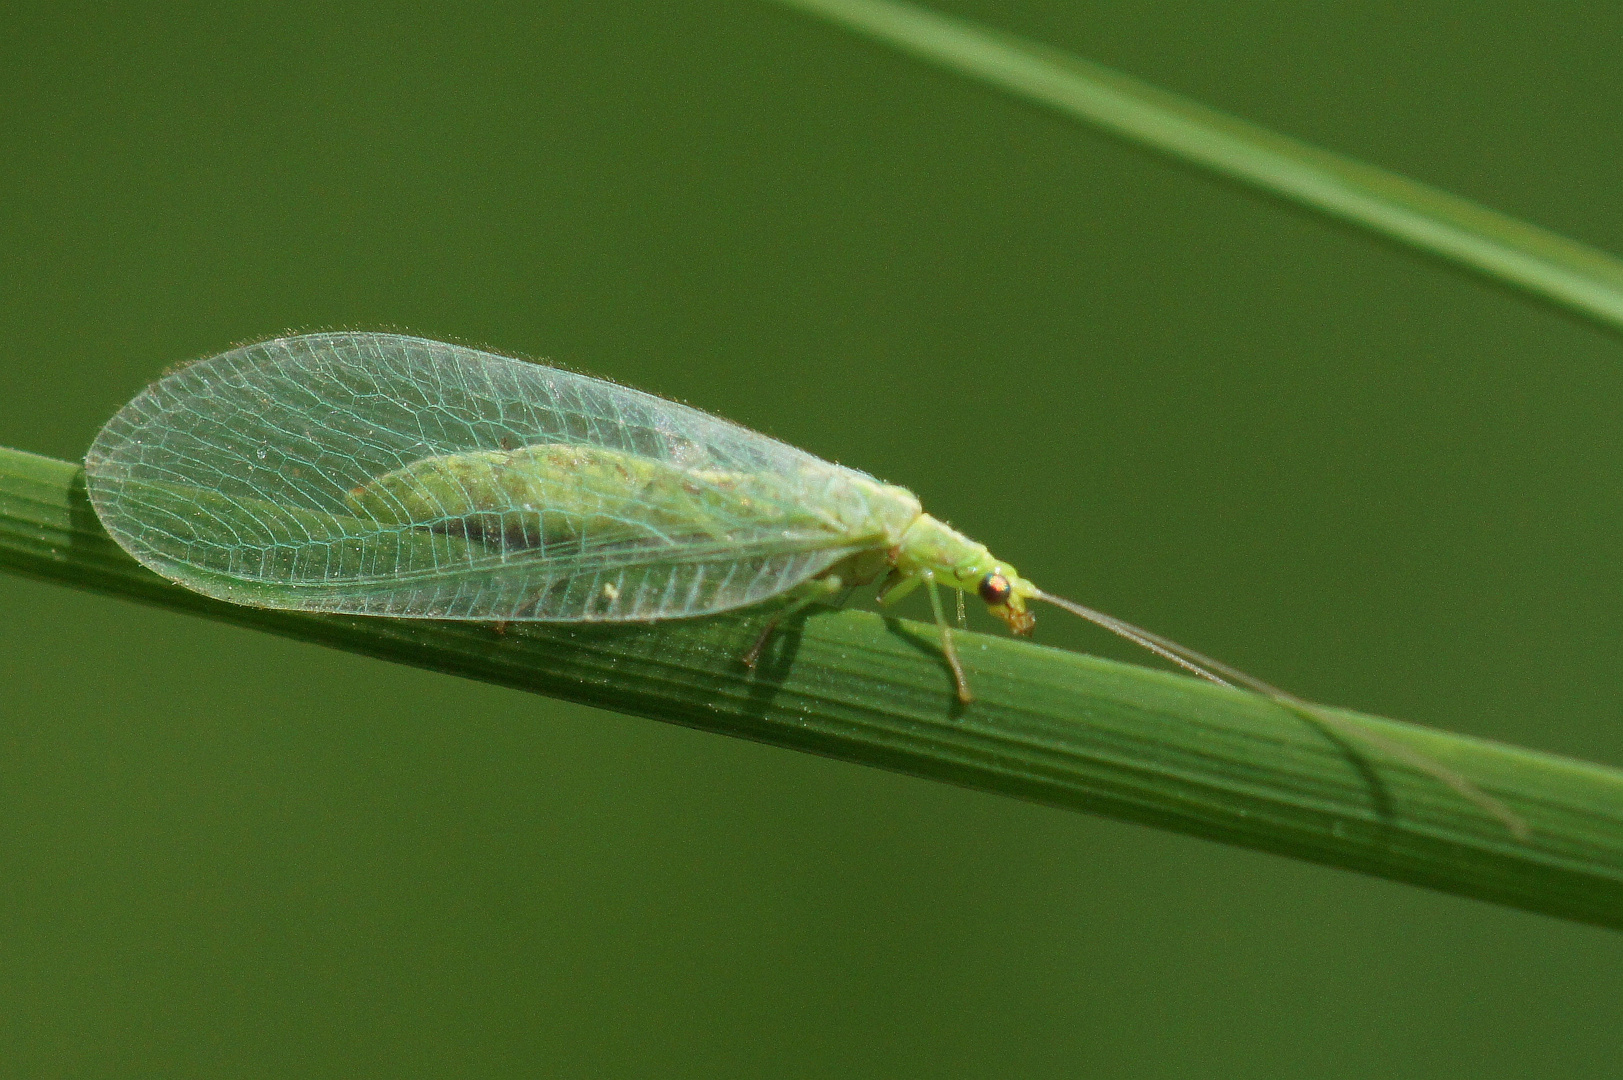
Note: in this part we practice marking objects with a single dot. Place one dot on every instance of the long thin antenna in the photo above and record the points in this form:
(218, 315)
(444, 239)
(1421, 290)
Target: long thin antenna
(1218, 672)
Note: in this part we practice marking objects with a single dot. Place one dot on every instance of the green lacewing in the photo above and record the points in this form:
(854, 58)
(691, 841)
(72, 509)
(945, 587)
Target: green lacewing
(380, 474)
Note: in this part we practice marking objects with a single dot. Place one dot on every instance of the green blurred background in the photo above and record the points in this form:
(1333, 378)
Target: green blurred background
(1360, 475)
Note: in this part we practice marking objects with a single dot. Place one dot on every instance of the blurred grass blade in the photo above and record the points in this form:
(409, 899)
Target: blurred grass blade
(1573, 275)
(1050, 726)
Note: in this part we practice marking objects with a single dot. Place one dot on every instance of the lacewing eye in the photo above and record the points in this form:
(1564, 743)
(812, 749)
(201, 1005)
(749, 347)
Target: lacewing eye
(994, 589)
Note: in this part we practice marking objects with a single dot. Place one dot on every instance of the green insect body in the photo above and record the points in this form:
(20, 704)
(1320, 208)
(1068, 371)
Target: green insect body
(377, 474)
(554, 495)
(557, 494)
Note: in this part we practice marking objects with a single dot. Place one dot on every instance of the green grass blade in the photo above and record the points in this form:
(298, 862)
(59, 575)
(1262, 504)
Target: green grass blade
(1050, 726)
(1572, 275)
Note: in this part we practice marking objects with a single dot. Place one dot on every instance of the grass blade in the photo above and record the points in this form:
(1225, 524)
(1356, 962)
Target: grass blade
(1575, 276)
(1050, 726)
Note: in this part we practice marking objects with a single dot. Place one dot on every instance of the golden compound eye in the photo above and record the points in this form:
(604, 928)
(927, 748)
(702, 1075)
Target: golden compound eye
(995, 588)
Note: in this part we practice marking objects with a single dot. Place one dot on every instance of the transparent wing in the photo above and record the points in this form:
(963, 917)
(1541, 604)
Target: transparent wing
(237, 476)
